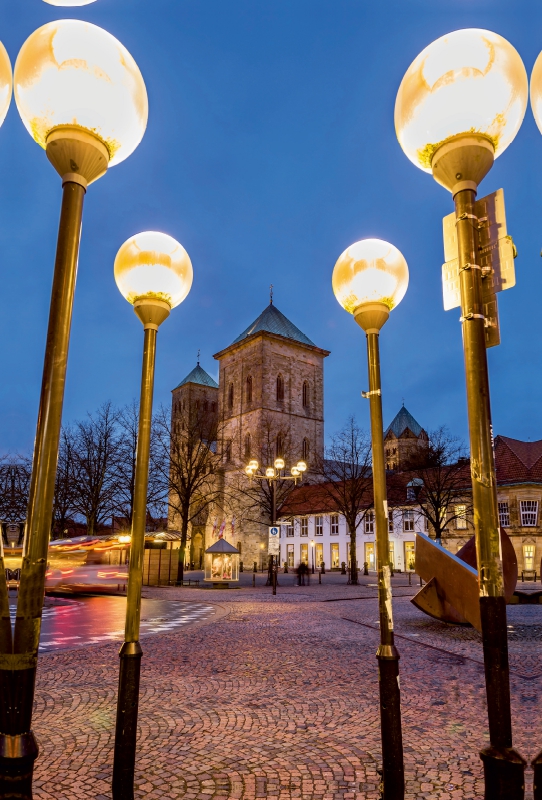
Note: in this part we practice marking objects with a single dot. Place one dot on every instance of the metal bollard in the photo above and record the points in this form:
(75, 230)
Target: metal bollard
(240, 566)
(319, 576)
(410, 578)
(254, 579)
(255, 568)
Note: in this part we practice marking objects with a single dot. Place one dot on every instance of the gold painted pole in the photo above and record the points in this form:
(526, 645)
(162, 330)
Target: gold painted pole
(131, 652)
(18, 746)
(387, 654)
(503, 766)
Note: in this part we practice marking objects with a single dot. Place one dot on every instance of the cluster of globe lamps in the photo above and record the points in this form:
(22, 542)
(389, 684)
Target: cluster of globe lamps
(82, 98)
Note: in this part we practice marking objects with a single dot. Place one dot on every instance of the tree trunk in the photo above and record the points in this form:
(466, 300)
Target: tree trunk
(353, 579)
(182, 551)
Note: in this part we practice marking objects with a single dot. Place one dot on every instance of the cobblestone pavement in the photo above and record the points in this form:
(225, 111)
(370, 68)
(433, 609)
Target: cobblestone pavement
(279, 698)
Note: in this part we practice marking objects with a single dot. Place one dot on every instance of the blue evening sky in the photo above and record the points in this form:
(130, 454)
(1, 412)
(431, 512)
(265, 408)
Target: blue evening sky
(270, 148)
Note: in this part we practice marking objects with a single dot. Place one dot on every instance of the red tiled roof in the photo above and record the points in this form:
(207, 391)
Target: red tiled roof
(517, 461)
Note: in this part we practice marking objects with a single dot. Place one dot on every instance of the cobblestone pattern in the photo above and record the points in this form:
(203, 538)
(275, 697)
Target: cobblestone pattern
(278, 699)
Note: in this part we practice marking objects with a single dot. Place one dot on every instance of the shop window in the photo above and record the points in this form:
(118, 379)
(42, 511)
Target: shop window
(290, 554)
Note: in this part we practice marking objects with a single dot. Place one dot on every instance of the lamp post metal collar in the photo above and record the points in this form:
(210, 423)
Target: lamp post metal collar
(371, 316)
(151, 311)
(463, 161)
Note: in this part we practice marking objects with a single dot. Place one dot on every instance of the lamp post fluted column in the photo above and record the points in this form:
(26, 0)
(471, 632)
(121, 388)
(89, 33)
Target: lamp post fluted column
(18, 746)
(154, 273)
(131, 652)
(371, 318)
(369, 279)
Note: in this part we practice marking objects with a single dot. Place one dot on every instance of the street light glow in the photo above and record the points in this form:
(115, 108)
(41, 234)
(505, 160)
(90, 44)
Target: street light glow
(153, 265)
(279, 463)
(73, 74)
(6, 82)
(69, 2)
(370, 271)
(468, 81)
(269, 472)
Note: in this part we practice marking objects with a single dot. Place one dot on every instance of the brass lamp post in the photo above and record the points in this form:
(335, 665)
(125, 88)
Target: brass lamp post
(369, 279)
(460, 104)
(272, 475)
(536, 105)
(154, 273)
(81, 96)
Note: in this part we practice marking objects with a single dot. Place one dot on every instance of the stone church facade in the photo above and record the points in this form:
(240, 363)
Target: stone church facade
(270, 402)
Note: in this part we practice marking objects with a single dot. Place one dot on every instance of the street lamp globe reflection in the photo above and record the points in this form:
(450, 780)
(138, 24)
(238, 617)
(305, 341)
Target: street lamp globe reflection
(370, 271)
(301, 466)
(69, 2)
(536, 91)
(469, 81)
(152, 265)
(71, 74)
(253, 464)
(270, 472)
(279, 463)
(6, 82)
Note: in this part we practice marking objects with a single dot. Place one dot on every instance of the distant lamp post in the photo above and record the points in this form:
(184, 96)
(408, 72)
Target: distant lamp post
(82, 98)
(154, 273)
(459, 106)
(312, 548)
(272, 475)
(369, 279)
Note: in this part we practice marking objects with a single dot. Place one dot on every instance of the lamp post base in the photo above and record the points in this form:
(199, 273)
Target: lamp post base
(393, 771)
(503, 774)
(17, 756)
(126, 727)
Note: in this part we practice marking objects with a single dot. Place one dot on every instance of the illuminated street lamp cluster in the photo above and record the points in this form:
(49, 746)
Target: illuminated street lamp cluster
(275, 473)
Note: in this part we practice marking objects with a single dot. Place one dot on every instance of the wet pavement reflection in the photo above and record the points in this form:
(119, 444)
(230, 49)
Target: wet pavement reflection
(69, 623)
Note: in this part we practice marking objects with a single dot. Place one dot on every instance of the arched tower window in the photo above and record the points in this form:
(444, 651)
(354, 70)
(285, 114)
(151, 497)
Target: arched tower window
(249, 389)
(248, 445)
(305, 450)
(230, 396)
(305, 394)
(280, 388)
(228, 450)
(279, 446)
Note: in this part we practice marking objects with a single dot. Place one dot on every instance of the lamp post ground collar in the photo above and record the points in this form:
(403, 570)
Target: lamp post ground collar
(463, 161)
(74, 151)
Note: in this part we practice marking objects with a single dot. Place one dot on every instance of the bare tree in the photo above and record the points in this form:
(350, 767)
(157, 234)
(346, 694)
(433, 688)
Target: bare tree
(440, 480)
(64, 504)
(125, 463)
(347, 481)
(95, 453)
(15, 474)
(258, 501)
(190, 465)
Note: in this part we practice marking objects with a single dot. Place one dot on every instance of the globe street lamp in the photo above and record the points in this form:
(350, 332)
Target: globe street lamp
(369, 279)
(154, 273)
(81, 96)
(459, 106)
(271, 476)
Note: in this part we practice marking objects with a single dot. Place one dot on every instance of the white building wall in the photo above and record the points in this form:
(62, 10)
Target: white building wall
(305, 540)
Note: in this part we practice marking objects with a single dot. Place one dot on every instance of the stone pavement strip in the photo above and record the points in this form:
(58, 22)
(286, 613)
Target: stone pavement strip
(279, 698)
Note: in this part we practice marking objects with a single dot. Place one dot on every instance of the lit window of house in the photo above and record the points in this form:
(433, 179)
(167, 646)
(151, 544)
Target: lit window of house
(334, 524)
(290, 527)
(504, 515)
(304, 526)
(319, 526)
(369, 522)
(390, 522)
(529, 512)
(460, 517)
(408, 520)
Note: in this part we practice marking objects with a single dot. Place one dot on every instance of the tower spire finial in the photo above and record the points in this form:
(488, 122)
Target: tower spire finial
(271, 295)
(198, 355)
